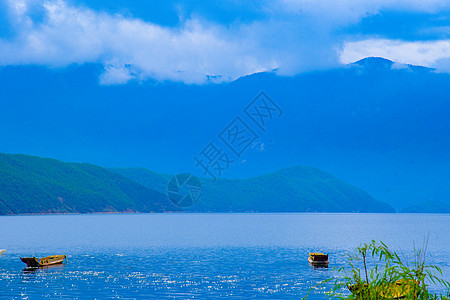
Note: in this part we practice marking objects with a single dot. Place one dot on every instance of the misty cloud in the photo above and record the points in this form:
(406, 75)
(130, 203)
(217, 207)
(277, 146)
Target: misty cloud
(295, 36)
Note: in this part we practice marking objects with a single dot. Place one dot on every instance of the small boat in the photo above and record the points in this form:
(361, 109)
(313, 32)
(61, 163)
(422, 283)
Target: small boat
(318, 259)
(33, 262)
(399, 289)
(2, 251)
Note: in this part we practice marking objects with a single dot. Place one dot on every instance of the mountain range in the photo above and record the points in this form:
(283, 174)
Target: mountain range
(375, 124)
(30, 184)
(295, 189)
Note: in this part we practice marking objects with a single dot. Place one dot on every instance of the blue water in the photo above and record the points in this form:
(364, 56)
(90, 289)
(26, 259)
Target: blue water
(154, 256)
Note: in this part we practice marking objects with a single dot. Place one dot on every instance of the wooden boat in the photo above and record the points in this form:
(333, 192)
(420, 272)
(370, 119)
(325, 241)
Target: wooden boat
(33, 262)
(2, 251)
(318, 259)
(399, 289)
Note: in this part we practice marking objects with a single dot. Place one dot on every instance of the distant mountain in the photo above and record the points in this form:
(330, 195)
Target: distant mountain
(373, 64)
(31, 184)
(146, 177)
(428, 207)
(296, 189)
(376, 124)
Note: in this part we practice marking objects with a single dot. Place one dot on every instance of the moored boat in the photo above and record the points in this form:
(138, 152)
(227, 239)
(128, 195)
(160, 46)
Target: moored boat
(318, 259)
(33, 262)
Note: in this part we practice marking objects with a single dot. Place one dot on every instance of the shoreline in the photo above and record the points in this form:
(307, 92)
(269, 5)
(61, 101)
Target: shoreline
(224, 213)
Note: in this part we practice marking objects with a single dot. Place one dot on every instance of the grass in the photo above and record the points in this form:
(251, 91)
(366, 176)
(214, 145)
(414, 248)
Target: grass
(376, 272)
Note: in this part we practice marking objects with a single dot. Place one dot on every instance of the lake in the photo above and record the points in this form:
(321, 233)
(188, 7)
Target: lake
(181, 256)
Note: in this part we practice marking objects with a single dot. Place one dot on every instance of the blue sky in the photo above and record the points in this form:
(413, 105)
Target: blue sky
(190, 41)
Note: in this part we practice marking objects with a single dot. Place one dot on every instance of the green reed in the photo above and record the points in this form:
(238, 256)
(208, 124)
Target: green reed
(376, 272)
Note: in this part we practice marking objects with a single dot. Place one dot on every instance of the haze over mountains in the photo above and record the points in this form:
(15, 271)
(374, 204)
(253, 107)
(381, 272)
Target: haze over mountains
(374, 124)
(31, 184)
(295, 189)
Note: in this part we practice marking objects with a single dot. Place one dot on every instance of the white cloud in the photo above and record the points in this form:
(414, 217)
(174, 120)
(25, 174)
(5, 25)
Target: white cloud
(78, 35)
(117, 74)
(424, 53)
(295, 36)
(195, 52)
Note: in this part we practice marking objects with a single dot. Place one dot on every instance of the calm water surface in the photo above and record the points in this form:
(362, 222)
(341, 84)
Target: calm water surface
(154, 256)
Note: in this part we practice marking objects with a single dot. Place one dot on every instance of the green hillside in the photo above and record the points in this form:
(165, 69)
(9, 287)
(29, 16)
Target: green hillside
(149, 178)
(31, 184)
(296, 189)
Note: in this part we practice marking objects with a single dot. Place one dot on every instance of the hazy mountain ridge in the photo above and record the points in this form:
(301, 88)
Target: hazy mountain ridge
(372, 64)
(30, 184)
(430, 206)
(375, 124)
(296, 189)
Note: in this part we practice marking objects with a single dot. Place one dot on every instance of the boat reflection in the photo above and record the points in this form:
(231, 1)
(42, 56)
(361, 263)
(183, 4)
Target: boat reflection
(45, 269)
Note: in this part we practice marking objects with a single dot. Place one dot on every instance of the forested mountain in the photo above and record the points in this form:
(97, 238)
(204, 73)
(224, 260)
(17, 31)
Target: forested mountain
(296, 189)
(31, 184)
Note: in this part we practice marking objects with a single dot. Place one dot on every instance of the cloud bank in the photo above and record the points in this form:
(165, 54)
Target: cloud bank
(294, 36)
(129, 48)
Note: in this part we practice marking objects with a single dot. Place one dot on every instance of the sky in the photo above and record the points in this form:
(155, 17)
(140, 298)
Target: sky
(200, 41)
